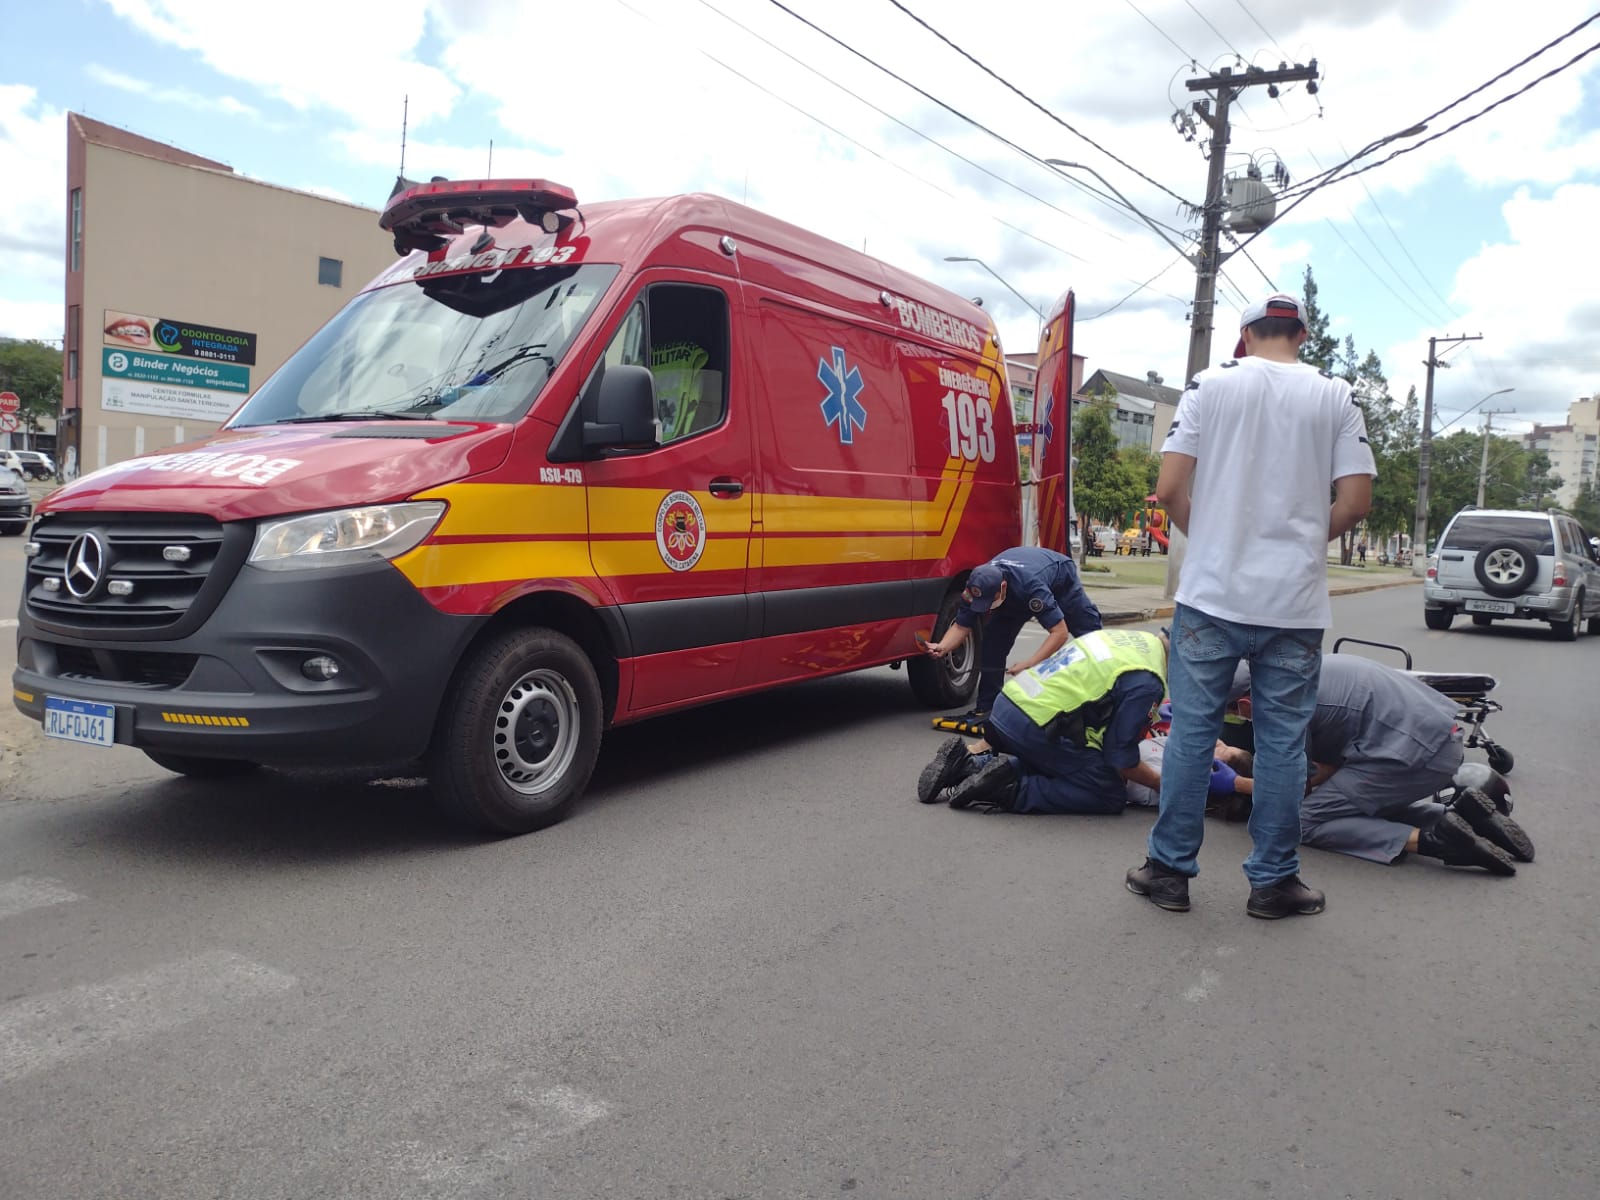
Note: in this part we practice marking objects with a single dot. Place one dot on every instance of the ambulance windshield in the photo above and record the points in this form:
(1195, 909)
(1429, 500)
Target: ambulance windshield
(475, 347)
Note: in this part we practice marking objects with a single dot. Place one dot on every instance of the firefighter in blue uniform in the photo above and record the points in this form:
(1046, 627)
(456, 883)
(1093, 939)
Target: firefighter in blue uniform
(1024, 583)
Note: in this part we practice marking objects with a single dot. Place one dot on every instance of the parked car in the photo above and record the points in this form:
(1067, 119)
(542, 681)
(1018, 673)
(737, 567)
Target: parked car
(16, 507)
(1499, 564)
(35, 464)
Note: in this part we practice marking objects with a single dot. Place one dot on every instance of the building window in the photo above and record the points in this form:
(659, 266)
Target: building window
(77, 229)
(330, 271)
(73, 322)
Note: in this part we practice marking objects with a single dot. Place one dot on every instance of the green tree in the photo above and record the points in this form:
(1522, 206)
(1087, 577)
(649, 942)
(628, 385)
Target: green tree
(1108, 484)
(1587, 507)
(1321, 348)
(33, 371)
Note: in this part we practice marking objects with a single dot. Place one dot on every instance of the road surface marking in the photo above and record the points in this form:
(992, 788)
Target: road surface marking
(24, 893)
(537, 1114)
(40, 1032)
(1197, 992)
(8, 622)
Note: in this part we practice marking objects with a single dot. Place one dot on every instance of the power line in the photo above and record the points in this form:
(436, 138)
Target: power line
(1421, 316)
(1013, 88)
(904, 125)
(1314, 187)
(1108, 311)
(884, 158)
(1399, 241)
(1220, 37)
(1262, 27)
(1193, 61)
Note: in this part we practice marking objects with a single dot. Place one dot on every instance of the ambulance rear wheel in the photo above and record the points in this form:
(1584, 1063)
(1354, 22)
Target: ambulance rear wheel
(519, 732)
(947, 682)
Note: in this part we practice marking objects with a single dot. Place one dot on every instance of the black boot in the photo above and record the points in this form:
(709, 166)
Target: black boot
(990, 789)
(1489, 823)
(1453, 843)
(951, 764)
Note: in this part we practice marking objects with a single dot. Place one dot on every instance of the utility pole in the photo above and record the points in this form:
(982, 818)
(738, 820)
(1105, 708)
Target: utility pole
(1208, 258)
(1208, 261)
(1483, 467)
(1419, 533)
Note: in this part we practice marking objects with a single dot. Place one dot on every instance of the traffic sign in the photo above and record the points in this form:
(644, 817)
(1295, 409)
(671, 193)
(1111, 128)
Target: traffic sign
(9, 423)
(9, 402)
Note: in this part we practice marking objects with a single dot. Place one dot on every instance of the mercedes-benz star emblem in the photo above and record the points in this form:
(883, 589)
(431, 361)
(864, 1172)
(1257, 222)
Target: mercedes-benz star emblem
(86, 561)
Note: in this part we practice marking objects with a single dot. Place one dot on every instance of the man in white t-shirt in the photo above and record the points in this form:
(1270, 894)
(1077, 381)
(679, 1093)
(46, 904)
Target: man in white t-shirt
(1255, 450)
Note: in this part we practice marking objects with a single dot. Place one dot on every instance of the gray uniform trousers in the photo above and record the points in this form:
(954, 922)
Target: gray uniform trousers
(1368, 808)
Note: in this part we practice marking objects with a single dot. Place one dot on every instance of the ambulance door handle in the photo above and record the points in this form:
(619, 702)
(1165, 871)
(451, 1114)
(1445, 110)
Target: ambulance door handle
(727, 488)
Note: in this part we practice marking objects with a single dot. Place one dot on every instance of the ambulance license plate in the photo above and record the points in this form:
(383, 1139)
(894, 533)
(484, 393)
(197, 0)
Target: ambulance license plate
(1491, 606)
(80, 721)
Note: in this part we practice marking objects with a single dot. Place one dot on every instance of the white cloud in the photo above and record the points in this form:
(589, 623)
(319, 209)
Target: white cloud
(355, 57)
(169, 95)
(1531, 296)
(41, 319)
(622, 97)
(33, 164)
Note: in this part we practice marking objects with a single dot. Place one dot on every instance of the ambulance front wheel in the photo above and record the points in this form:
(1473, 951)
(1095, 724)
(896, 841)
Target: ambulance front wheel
(519, 732)
(947, 682)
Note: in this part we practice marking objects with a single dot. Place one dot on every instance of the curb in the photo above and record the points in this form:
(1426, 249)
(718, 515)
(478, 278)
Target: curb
(1135, 616)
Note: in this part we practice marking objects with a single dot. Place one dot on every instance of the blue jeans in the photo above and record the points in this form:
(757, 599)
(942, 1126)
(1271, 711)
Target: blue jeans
(1284, 667)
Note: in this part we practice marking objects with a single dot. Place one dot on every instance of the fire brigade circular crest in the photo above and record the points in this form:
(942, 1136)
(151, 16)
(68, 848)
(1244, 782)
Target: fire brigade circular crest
(680, 530)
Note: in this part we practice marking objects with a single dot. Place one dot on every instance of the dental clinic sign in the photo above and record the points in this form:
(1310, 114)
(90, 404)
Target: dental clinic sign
(177, 369)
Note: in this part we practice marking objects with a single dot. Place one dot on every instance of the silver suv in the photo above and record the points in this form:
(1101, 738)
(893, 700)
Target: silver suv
(1497, 564)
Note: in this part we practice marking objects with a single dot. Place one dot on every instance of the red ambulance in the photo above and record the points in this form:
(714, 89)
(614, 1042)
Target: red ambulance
(561, 467)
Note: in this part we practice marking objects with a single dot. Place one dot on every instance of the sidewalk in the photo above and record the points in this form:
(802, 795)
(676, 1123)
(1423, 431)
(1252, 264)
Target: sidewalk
(1126, 602)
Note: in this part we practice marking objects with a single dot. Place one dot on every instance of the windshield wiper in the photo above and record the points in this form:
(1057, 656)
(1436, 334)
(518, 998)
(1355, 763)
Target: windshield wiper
(362, 414)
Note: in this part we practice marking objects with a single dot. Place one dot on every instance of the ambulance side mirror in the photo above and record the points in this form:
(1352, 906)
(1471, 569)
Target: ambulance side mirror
(625, 412)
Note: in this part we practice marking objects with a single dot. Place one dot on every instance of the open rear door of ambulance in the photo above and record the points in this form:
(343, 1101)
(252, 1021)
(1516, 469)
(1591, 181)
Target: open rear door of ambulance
(1052, 430)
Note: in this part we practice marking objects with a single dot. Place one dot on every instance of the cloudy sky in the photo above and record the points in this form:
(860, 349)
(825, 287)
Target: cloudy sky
(1487, 229)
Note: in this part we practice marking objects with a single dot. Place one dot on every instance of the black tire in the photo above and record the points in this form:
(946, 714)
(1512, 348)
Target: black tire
(1506, 567)
(1594, 626)
(1500, 759)
(13, 530)
(519, 732)
(951, 681)
(1438, 618)
(1567, 631)
(202, 768)
(1482, 620)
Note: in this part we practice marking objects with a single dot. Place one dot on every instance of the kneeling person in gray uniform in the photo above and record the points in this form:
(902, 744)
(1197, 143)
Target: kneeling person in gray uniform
(1383, 745)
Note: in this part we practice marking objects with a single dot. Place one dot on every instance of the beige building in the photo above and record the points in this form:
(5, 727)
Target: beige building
(1573, 448)
(187, 285)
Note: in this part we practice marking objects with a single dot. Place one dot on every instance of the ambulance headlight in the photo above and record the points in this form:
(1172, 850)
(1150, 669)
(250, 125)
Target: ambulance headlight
(329, 539)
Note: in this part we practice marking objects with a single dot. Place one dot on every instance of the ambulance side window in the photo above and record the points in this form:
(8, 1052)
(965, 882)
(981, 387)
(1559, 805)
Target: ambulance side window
(627, 347)
(688, 355)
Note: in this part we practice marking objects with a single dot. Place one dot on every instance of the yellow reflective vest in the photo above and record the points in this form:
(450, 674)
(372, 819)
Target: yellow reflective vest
(1070, 692)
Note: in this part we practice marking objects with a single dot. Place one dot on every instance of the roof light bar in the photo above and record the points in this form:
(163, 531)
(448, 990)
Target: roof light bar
(425, 216)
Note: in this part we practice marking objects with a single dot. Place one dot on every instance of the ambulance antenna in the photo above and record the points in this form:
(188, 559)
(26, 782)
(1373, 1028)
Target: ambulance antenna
(405, 113)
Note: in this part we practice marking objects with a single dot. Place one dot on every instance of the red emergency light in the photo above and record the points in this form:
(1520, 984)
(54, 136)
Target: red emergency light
(423, 217)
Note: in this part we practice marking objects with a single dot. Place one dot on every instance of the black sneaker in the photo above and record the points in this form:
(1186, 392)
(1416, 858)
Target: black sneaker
(1489, 823)
(990, 789)
(1453, 842)
(1286, 898)
(1161, 885)
(951, 764)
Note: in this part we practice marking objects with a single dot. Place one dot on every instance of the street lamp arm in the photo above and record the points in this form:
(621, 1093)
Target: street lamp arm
(1126, 203)
(1031, 305)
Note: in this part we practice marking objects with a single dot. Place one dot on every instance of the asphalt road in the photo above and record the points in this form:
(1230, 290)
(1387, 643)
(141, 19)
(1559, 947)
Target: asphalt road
(752, 966)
